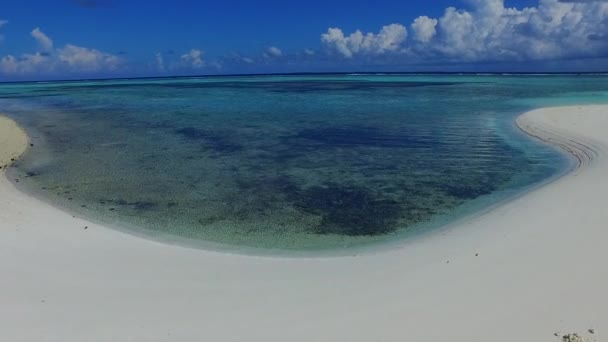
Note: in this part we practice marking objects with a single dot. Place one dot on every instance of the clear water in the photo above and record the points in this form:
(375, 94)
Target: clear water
(318, 162)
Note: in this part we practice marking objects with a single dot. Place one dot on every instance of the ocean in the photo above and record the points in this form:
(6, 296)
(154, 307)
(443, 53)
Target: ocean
(287, 163)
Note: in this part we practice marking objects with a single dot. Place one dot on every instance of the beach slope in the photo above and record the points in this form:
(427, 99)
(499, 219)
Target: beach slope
(532, 269)
(13, 141)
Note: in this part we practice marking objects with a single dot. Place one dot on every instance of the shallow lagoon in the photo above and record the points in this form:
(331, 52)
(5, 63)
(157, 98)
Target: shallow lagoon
(286, 162)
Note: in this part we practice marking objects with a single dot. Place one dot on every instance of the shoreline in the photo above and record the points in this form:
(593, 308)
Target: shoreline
(14, 141)
(465, 212)
(527, 276)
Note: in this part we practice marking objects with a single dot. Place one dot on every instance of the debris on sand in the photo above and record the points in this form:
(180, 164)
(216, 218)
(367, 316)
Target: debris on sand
(573, 338)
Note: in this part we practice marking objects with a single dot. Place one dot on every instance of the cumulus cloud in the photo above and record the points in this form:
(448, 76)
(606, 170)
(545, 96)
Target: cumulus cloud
(26, 64)
(68, 60)
(389, 39)
(193, 59)
(45, 43)
(87, 60)
(488, 31)
(424, 28)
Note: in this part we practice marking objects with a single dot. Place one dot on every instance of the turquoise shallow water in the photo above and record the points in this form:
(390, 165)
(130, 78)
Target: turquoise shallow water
(315, 162)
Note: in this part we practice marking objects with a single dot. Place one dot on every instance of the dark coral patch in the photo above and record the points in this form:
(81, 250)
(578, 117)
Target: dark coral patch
(466, 192)
(136, 205)
(214, 140)
(356, 136)
(350, 210)
(143, 205)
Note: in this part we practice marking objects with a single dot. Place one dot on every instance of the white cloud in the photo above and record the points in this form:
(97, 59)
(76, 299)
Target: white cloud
(87, 60)
(190, 61)
(488, 31)
(193, 59)
(553, 29)
(389, 39)
(424, 28)
(8, 65)
(26, 64)
(70, 59)
(273, 51)
(45, 43)
(335, 39)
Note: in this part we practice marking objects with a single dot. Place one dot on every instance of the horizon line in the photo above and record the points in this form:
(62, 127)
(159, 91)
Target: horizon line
(341, 73)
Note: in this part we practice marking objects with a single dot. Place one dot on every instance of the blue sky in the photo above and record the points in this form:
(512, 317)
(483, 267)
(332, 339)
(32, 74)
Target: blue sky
(106, 38)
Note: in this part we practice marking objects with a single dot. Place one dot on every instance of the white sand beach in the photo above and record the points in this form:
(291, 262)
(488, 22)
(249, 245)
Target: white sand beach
(523, 271)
